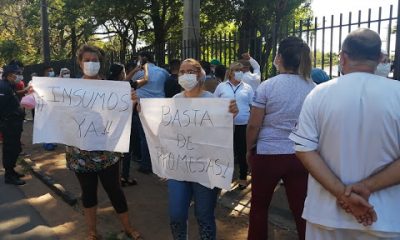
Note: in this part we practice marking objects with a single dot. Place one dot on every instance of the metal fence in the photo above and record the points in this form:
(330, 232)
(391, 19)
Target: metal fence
(323, 35)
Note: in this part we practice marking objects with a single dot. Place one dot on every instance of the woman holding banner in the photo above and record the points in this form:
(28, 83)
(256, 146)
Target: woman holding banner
(180, 193)
(89, 166)
(191, 78)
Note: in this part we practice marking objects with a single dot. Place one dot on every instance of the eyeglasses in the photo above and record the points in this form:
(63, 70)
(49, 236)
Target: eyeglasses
(181, 72)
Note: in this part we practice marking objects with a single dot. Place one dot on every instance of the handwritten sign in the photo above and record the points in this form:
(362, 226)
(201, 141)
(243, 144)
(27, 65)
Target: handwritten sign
(88, 114)
(190, 139)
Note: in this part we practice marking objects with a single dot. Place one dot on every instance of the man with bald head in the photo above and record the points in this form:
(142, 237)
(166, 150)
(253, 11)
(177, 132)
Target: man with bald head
(348, 137)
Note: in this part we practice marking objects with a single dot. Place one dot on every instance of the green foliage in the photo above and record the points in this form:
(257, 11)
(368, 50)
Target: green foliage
(9, 49)
(120, 26)
(335, 59)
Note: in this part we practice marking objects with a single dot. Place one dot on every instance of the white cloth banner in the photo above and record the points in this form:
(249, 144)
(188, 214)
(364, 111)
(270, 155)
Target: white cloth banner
(88, 114)
(190, 139)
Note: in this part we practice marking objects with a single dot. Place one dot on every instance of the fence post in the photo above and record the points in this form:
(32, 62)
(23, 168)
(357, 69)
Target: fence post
(396, 73)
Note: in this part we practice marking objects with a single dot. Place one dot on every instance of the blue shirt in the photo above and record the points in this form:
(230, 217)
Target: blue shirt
(154, 88)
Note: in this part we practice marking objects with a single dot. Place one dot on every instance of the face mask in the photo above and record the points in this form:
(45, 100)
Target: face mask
(19, 78)
(51, 74)
(67, 75)
(91, 69)
(383, 69)
(138, 63)
(188, 81)
(238, 76)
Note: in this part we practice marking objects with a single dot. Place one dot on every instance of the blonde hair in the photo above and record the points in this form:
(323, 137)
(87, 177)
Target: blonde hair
(231, 70)
(198, 67)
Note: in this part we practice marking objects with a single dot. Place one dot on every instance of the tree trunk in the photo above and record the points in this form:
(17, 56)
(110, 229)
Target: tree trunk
(122, 50)
(247, 29)
(74, 49)
(159, 45)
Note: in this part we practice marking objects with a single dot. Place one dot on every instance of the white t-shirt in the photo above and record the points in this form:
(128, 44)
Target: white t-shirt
(354, 123)
(253, 79)
(242, 93)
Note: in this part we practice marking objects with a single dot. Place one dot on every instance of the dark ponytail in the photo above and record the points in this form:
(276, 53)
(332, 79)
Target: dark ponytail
(296, 57)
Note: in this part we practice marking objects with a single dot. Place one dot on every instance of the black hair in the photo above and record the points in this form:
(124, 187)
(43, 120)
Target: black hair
(146, 57)
(44, 69)
(16, 62)
(220, 71)
(206, 66)
(174, 65)
(130, 65)
(114, 71)
(295, 54)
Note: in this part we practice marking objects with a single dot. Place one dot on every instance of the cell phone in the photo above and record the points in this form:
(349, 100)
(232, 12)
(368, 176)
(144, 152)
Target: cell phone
(133, 84)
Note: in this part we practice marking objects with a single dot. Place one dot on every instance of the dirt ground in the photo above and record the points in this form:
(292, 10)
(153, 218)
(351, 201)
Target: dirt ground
(148, 206)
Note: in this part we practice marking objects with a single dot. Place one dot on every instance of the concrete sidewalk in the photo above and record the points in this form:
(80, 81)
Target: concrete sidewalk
(148, 206)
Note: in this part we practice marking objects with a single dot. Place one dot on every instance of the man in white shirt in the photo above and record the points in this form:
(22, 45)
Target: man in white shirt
(348, 139)
(251, 78)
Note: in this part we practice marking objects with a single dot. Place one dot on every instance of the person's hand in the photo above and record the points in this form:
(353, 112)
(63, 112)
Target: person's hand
(246, 56)
(359, 207)
(360, 188)
(134, 96)
(135, 100)
(29, 89)
(138, 68)
(233, 108)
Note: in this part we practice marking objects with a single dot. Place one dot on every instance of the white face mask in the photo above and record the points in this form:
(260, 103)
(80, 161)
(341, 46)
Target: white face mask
(239, 76)
(51, 74)
(383, 69)
(91, 69)
(19, 78)
(188, 81)
(67, 75)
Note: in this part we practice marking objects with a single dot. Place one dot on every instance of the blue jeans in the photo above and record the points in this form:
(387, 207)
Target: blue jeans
(144, 150)
(180, 194)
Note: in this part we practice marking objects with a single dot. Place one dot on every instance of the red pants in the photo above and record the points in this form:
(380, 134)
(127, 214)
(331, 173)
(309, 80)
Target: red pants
(267, 170)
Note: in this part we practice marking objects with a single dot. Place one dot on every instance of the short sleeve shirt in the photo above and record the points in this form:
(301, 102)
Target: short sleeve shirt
(242, 93)
(282, 97)
(154, 88)
(354, 123)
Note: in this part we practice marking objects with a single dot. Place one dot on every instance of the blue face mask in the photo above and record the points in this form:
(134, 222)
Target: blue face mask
(51, 74)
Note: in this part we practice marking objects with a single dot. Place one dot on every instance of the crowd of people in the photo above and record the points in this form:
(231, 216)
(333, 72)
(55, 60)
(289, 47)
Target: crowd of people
(334, 146)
